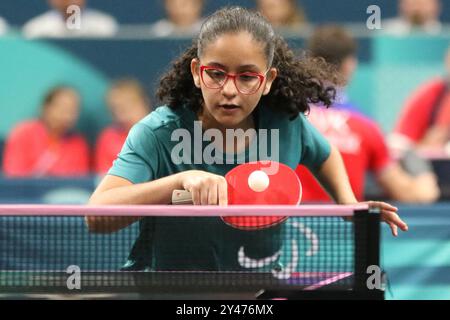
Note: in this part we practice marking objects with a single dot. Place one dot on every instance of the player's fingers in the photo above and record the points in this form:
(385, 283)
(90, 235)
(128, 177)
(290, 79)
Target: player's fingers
(398, 221)
(195, 193)
(204, 191)
(222, 189)
(382, 205)
(389, 214)
(212, 195)
(394, 229)
(392, 217)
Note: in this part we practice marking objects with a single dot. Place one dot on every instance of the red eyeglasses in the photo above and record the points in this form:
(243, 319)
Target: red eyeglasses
(245, 82)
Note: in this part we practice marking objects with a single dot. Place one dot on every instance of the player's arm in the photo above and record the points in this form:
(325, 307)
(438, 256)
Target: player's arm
(435, 138)
(332, 175)
(206, 188)
(115, 190)
(415, 115)
(421, 189)
(411, 182)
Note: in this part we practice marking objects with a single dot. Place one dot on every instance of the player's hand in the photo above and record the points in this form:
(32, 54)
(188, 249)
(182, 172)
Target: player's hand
(389, 215)
(206, 188)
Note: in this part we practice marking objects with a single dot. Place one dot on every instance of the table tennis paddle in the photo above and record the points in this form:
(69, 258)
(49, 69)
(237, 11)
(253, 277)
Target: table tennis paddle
(256, 183)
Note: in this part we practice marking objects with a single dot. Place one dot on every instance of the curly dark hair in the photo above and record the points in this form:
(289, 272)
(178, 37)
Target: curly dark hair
(301, 79)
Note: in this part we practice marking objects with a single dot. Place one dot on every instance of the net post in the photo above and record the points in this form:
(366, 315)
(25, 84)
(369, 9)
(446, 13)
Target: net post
(367, 252)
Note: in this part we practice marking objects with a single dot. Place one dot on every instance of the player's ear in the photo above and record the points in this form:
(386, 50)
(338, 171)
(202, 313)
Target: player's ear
(195, 71)
(270, 77)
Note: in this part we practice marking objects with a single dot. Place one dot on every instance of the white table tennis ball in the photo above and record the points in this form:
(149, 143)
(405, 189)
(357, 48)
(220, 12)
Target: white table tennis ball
(258, 181)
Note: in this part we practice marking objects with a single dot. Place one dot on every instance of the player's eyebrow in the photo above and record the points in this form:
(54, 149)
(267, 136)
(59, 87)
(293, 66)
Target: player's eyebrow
(245, 67)
(249, 67)
(216, 64)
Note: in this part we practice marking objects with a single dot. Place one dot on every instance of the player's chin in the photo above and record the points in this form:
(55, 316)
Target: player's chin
(230, 120)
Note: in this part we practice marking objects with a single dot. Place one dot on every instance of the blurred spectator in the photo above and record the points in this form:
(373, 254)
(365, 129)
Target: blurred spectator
(54, 23)
(282, 14)
(128, 104)
(424, 122)
(415, 15)
(358, 138)
(48, 146)
(3, 26)
(184, 17)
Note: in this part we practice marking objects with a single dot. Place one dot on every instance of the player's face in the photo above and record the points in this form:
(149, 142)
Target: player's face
(420, 11)
(127, 107)
(184, 12)
(348, 67)
(228, 106)
(61, 114)
(276, 11)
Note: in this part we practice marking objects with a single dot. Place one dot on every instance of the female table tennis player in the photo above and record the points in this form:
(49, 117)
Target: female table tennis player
(238, 75)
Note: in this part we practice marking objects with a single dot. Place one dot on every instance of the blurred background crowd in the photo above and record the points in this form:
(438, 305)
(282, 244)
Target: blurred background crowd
(69, 93)
(71, 89)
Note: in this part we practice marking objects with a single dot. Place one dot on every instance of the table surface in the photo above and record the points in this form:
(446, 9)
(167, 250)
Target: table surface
(178, 285)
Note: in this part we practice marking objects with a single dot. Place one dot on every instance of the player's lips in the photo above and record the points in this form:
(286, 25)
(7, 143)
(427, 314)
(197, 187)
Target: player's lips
(229, 107)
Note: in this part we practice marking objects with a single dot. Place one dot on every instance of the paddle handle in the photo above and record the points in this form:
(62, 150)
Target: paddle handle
(181, 197)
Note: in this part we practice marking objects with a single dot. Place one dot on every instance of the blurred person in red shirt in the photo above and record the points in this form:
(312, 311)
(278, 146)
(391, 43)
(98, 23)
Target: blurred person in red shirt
(49, 146)
(128, 103)
(358, 138)
(424, 122)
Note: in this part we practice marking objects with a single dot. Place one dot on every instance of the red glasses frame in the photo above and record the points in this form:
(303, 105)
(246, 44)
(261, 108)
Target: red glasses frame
(233, 76)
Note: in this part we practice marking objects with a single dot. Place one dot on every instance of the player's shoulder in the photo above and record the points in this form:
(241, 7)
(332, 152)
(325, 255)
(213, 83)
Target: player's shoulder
(324, 117)
(367, 126)
(272, 118)
(433, 84)
(42, 24)
(356, 120)
(48, 15)
(112, 131)
(362, 118)
(45, 18)
(29, 126)
(423, 97)
(162, 122)
(99, 16)
(162, 117)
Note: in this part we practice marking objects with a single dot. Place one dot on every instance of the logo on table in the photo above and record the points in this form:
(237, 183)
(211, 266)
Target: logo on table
(284, 272)
(373, 22)
(73, 21)
(74, 279)
(189, 149)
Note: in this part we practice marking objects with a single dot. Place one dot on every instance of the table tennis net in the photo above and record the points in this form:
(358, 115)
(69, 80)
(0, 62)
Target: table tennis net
(161, 252)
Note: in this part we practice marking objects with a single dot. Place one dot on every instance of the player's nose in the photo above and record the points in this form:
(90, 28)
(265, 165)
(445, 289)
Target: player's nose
(229, 89)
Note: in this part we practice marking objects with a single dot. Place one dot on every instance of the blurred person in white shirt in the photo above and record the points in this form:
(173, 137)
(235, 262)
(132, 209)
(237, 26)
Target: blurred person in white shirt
(415, 16)
(184, 17)
(56, 23)
(3, 26)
